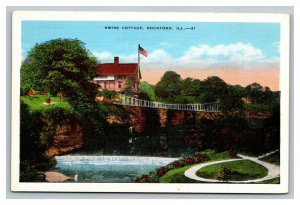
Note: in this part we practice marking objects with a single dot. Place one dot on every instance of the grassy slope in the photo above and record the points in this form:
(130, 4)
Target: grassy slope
(273, 158)
(148, 89)
(177, 175)
(240, 170)
(35, 102)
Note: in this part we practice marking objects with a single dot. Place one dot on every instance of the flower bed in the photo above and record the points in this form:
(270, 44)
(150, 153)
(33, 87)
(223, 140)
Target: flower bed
(154, 176)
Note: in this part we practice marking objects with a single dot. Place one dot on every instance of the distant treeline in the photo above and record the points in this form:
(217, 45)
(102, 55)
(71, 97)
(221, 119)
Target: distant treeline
(173, 89)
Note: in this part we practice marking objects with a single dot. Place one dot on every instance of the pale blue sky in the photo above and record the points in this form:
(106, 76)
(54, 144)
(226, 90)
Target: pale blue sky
(239, 53)
(209, 41)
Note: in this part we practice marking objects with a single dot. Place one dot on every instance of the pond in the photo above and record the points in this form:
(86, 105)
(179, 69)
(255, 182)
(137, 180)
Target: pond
(108, 169)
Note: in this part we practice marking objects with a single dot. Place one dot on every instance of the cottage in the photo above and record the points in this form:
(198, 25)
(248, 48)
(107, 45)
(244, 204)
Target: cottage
(113, 76)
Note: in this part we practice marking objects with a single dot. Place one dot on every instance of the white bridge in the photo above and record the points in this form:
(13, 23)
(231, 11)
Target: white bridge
(132, 101)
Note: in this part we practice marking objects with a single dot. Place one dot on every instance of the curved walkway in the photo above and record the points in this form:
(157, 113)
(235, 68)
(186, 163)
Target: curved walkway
(273, 170)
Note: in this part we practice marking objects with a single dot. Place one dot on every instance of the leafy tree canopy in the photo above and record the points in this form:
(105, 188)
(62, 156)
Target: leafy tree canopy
(168, 87)
(62, 66)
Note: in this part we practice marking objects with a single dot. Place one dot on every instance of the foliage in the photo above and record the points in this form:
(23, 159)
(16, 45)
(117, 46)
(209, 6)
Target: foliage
(36, 133)
(51, 118)
(28, 173)
(128, 87)
(225, 173)
(272, 129)
(168, 88)
(216, 89)
(195, 138)
(261, 95)
(172, 89)
(61, 97)
(108, 94)
(61, 66)
(176, 175)
(30, 126)
(232, 153)
(148, 89)
(239, 171)
(154, 176)
(161, 171)
(152, 120)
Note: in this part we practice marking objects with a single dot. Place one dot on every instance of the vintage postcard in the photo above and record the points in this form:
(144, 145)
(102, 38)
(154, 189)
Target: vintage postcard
(150, 102)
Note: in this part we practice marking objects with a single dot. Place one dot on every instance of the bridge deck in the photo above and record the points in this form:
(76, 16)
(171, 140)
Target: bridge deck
(132, 101)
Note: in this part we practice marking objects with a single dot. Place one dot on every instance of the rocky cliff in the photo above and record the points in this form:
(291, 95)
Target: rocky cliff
(67, 138)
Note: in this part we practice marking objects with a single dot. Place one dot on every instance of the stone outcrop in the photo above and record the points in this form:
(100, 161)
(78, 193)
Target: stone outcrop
(163, 119)
(67, 138)
(137, 119)
(115, 119)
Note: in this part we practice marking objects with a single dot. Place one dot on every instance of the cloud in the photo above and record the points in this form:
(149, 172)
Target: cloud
(103, 55)
(159, 56)
(223, 53)
(203, 56)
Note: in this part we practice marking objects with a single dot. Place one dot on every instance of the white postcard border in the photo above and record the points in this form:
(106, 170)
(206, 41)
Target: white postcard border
(283, 19)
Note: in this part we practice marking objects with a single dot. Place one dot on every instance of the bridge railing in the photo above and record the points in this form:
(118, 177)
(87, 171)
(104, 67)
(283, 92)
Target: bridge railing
(133, 101)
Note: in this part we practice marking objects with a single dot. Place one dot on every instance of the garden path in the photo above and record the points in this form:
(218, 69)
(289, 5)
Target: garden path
(273, 170)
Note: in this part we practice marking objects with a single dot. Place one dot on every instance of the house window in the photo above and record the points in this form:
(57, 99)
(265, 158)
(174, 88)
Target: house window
(119, 84)
(105, 85)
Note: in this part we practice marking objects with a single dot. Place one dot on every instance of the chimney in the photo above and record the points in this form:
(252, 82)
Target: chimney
(116, 60)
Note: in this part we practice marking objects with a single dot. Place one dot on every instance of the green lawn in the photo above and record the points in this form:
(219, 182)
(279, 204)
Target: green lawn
(149, 89)
(177, 175)
(36, 102)
(271, 181)
(240, 170)
(273, 158)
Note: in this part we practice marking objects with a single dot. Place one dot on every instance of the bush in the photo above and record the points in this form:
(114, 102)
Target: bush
(160, 172)
(224, 173)
(28, 173)
(154, 176)
(200, 157)
(232, 153)
(188, 160)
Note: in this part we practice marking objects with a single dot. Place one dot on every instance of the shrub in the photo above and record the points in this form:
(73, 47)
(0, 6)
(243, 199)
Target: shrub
(188, 160)
(160, 172)
(200, 157)
(224, 173)
(176, 164)
(232, 153)
(153, 177)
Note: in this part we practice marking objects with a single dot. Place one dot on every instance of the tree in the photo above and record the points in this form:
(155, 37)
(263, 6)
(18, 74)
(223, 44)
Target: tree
(254, 92)
(168, 88)
(214, 89)
(191, 90)
(62, 66)
(128, 87)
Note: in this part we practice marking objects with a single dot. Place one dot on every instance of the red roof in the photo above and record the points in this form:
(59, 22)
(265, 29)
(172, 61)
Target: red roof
(117, 69)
